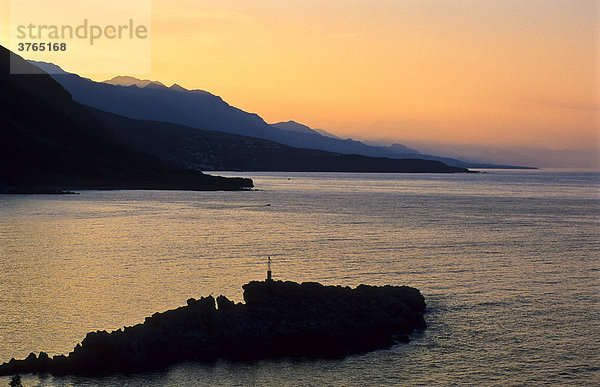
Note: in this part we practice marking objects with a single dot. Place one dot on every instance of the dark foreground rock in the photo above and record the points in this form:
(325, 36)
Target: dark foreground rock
(278, 319)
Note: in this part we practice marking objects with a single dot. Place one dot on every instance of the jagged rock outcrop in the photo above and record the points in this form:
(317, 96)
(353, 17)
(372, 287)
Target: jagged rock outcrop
(278, 319)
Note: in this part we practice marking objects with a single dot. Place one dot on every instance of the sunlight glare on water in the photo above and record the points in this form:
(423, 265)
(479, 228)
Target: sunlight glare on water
(507, 262)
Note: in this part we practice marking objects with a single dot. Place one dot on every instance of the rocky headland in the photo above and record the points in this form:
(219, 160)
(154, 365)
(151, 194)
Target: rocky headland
(277, 319)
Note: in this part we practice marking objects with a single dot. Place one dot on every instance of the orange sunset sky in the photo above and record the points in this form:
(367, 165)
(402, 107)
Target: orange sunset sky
(502, 72)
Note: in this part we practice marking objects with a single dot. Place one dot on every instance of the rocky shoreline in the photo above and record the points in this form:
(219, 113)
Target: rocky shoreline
(278, 319)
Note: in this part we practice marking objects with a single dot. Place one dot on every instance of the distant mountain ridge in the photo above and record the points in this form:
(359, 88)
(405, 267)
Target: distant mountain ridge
(397, 149)
(123, 80)
(297, 127)
(293, 126)
(193, 148)
(203, 110)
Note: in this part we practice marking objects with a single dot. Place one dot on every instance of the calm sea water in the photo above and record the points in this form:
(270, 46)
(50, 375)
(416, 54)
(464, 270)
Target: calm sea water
(507, 261)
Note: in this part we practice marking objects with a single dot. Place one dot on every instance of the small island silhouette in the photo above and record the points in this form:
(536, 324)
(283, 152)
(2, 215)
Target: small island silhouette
(278, 319)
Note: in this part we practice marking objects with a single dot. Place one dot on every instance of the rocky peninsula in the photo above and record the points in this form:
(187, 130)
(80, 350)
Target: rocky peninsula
(277, 319)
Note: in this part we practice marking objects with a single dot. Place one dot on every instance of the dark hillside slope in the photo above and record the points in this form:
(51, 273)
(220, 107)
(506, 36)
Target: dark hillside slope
(211, 150)
(49, 142)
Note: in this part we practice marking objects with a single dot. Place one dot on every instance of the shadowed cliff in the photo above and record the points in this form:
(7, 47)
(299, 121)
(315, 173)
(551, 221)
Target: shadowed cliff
(48, 142)
(278, 319)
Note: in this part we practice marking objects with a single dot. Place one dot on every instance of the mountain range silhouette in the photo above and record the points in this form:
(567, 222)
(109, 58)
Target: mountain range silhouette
(52, 142)
(152, 100)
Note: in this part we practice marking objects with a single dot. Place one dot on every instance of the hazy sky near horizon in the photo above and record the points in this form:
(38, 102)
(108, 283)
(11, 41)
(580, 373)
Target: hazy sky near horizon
(494, 72)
